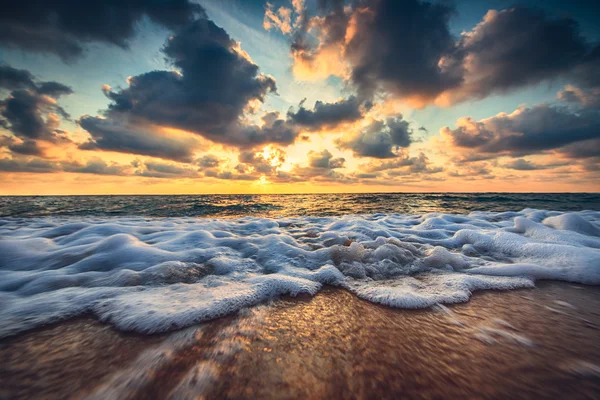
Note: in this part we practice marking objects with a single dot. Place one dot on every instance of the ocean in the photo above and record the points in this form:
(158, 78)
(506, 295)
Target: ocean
(157, 263)
(274, 206)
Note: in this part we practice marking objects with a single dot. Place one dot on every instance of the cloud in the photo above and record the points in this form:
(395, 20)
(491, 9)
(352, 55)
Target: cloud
(64, 27)
(274, 130)
(279, 19)
(29, 115)
(585, 90)
(381, 139)
(54, 89)
(231, 175)
(581, 97)
(525, 131)
(473, 171)
(397, 46)
(320, 58)
(580, 150)
(24, 147)
(214, 85)
(585, 74)
(159, 169)
(306, 174)
(526, 165)
(327, 115)
(30, 111)
(324, 159)
(28, 165)
(260, 162)
(405, 49)
(514, 48)
(403, 164)
(95, 166)
(135, 138)
(13, 78)
(592, 165)
(208, 161)
(378, 44)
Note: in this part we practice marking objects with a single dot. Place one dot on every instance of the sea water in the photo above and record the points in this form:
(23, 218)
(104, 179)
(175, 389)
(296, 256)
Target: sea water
(157, 263)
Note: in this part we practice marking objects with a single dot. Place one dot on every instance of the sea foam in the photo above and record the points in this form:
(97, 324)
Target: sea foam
(158, 274)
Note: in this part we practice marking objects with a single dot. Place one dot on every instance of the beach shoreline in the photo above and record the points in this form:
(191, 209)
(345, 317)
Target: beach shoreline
(526, 343)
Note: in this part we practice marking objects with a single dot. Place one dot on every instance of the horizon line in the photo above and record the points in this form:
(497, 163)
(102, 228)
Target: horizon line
(277, 194)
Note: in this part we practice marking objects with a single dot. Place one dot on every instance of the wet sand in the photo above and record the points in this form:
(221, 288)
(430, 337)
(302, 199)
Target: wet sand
(534, 343)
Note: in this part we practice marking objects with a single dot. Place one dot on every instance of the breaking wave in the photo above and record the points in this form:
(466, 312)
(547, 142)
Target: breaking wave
(153, 275)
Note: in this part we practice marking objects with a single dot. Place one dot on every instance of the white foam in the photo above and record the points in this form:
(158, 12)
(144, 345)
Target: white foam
(153, 275)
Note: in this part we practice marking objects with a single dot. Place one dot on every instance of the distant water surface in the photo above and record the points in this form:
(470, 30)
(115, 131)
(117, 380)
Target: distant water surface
(291, 205)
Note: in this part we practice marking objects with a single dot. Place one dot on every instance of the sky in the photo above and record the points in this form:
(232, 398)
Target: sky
(299, 96)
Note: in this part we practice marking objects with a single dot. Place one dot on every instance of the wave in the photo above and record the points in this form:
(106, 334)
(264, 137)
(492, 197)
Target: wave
(153, 275)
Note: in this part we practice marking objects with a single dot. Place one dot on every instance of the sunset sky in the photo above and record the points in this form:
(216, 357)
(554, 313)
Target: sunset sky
(298, 96)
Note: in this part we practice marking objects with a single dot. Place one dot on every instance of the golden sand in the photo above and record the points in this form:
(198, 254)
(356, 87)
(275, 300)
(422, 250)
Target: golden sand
(538, 343)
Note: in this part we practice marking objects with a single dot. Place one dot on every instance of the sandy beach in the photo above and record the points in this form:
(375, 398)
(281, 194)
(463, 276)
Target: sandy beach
(530, 343)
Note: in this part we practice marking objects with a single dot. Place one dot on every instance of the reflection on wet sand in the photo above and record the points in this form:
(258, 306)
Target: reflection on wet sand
(538, 343)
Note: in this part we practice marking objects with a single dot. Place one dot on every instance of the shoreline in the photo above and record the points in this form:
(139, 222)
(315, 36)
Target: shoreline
(525, 343)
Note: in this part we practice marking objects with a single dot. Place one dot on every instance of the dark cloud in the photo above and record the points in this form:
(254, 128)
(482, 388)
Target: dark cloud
(12, 78)
(305, 174)
(331, 29)
(592, 165)
(29, 115)
(405, 48)
(335, 20)
(471, 157)
(30, 111)
(398, 47)
(208, 161)
(324, 159)
(403, 165)
(516, 47)
(390, 45)
(95, 166)
(158, 169)
(54, 89)
(381, 139)
(230, 175)
(209, 94)
(63, 27)
(28, 165)
(581, 97)
(473, 171)
(521, 164)
(583, 149)
(273, 130)
(327, 114)
(126, 137)
(27, 147)
(585, 74)
(526, 131)
(585, 90)
(36, 165)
